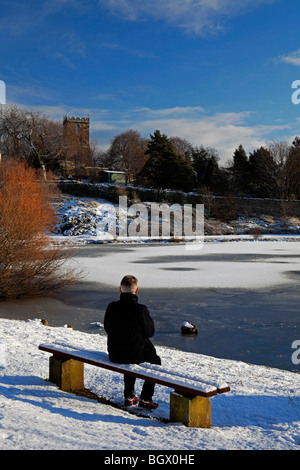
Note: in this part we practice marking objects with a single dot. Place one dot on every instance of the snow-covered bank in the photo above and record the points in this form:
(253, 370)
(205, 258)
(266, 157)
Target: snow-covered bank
(85, 219)
(262, 411)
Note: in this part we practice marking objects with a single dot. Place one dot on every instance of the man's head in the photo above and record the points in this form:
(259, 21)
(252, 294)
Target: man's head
(129, 284)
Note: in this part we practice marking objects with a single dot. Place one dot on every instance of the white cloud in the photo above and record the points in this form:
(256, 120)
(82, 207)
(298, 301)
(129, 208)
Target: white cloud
(176, 110)
(292, 58)
(196, 16)
(103, 126)
(222, 131)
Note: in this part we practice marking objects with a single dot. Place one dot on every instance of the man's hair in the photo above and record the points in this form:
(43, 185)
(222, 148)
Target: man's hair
(129, 284)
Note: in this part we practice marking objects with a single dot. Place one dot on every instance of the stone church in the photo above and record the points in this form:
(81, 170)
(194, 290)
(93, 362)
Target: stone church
(76, 136)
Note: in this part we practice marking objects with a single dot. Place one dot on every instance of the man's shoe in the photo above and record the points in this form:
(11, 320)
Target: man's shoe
(148, 404)
(131, 401)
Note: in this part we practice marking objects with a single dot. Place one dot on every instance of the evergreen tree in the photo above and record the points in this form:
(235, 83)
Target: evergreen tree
(205, 163)
(164, 167)
(263, 170)
(240, 170)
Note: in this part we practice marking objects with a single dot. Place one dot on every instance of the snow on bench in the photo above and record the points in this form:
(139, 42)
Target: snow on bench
(145, 371)
(66, 370)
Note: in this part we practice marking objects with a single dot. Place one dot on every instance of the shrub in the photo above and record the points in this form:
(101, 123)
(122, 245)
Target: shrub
(225, 208)
(256, 232)
(29, 263)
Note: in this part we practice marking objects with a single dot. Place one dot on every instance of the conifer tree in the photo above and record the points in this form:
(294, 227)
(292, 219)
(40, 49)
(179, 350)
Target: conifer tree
(240, 170)
(164, 167)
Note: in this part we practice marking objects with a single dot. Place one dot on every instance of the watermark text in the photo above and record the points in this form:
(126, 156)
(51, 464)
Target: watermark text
(2, 92)
(296, 353)
(153, 221)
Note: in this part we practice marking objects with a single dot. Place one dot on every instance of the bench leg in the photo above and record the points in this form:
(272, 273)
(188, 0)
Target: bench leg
(67, 374)
(193, 412)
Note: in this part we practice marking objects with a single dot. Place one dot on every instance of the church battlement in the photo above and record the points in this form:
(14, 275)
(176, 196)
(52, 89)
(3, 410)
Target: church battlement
(76, 119)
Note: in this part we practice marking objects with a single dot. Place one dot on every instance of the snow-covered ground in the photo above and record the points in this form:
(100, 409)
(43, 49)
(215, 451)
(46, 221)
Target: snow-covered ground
(88, 219)
(262, 411)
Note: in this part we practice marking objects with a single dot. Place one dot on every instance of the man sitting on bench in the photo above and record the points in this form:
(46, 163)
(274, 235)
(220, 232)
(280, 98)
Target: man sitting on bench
(129, 326)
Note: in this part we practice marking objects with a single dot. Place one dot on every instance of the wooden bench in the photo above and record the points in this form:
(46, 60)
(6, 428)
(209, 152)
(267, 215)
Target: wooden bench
(189, 402)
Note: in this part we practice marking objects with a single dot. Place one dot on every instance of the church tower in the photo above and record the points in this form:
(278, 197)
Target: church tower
(76, 134)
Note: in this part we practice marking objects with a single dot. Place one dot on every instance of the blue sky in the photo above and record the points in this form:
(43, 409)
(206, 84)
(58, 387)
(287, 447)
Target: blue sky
(215, 72)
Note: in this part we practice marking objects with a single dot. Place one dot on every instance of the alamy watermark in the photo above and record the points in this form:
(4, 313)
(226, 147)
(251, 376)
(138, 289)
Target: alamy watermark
(296, 353)
(296, 94)
(2, 92)
(153, 221)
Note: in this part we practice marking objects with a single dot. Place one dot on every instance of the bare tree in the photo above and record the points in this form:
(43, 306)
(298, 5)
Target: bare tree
(280, 151)
(30, 136)
(99, 156)
(182, 146)
(45, 141)
(127, 152)
(293, 169)
(287, 158)
(12, 130)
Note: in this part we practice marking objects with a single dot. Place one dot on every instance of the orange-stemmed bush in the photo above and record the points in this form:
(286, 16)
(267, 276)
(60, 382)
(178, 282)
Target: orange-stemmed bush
(30, 263)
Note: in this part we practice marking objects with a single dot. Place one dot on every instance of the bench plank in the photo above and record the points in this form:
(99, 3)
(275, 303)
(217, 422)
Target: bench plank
(183, 385)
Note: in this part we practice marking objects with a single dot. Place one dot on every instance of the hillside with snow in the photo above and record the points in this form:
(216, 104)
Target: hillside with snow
(84, 218)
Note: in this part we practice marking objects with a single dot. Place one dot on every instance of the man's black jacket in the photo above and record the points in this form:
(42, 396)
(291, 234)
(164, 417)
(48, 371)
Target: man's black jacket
(129, 326)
